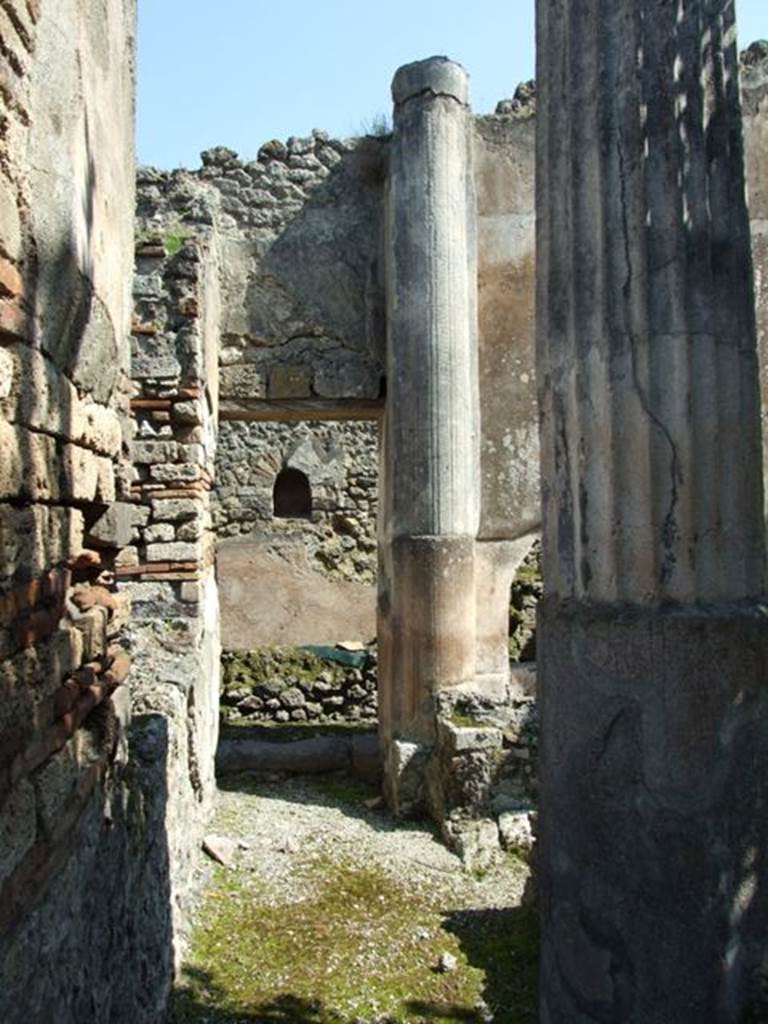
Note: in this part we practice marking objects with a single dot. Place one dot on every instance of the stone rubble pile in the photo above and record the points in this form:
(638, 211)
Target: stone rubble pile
(290, 684)
(522, 104)
(485, 782)
(527, 590)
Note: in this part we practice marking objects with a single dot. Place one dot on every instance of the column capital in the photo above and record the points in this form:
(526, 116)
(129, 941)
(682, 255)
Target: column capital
(437, 75)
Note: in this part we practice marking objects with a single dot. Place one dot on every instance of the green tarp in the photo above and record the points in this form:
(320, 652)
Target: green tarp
(356, 659)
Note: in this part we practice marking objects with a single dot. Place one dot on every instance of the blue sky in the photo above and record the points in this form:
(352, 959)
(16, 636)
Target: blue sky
(239, 72)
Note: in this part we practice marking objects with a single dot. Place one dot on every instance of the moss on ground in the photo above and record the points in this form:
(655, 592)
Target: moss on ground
(355, 945)
(364, 948)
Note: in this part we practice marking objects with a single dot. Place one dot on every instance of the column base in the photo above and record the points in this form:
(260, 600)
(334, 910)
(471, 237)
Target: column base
(476, 780)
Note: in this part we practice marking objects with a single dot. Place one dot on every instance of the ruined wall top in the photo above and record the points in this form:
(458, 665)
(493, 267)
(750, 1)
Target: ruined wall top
(298, 234)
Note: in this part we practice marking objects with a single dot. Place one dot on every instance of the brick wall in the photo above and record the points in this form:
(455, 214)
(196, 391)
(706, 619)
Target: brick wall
(81, 838)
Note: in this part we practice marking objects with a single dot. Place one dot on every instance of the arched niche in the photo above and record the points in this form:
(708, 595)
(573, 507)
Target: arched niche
(292, 495)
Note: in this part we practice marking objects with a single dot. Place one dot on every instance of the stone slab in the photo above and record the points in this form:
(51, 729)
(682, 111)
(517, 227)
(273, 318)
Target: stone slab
(317, 754)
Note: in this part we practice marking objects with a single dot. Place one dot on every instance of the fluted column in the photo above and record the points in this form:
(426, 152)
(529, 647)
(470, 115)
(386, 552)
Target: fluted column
(431, 464)
(653, 686)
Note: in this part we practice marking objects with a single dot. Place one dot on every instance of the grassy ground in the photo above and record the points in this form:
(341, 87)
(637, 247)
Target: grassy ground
(351, 943)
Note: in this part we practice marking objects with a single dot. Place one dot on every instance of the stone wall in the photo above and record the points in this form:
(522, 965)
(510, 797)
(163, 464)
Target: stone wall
(300, 326)
(340, 461)
(504, 173)
(652, 628)
(299, 337)
(299, 238)
(167, 569)
(85, 930)
(264, 280)
(509, 449)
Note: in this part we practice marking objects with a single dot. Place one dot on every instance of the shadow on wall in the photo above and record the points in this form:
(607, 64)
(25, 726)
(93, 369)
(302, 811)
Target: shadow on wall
(716, 243)
(61, 335)
(68, 292)
(75, 326)
(148, 917)
(748, 950)
(94, 894)
(319, 296)
(85, 916)
(135, 856)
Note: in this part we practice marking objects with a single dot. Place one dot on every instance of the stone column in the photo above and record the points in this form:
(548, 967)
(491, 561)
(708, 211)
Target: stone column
(654, 774)
(430, 468)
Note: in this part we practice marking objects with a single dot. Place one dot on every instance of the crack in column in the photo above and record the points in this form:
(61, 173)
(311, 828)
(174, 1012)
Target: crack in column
(669, 530)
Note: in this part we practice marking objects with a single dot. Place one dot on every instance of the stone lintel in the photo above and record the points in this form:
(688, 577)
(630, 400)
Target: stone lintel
(297, 410)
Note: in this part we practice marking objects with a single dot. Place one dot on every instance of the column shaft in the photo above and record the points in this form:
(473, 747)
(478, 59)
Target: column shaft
(431, 472)
(653, 668)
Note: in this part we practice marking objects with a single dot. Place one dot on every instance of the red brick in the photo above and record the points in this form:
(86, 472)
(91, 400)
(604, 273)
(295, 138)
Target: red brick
(158, 570)
(11, 281)
(138, 570)
(35, 626)
(89, 597)
(64, 699)
(195, 490)
(120, 667)
(50, 587)
(85, 560)
(137, 327)
(151, 403)
(13, 318)
(171, 577)
(86, 675)
(149, 249)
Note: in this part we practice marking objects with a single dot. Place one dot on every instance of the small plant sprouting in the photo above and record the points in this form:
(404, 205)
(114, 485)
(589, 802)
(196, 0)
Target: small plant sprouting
(173, 241)
(378, 126)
